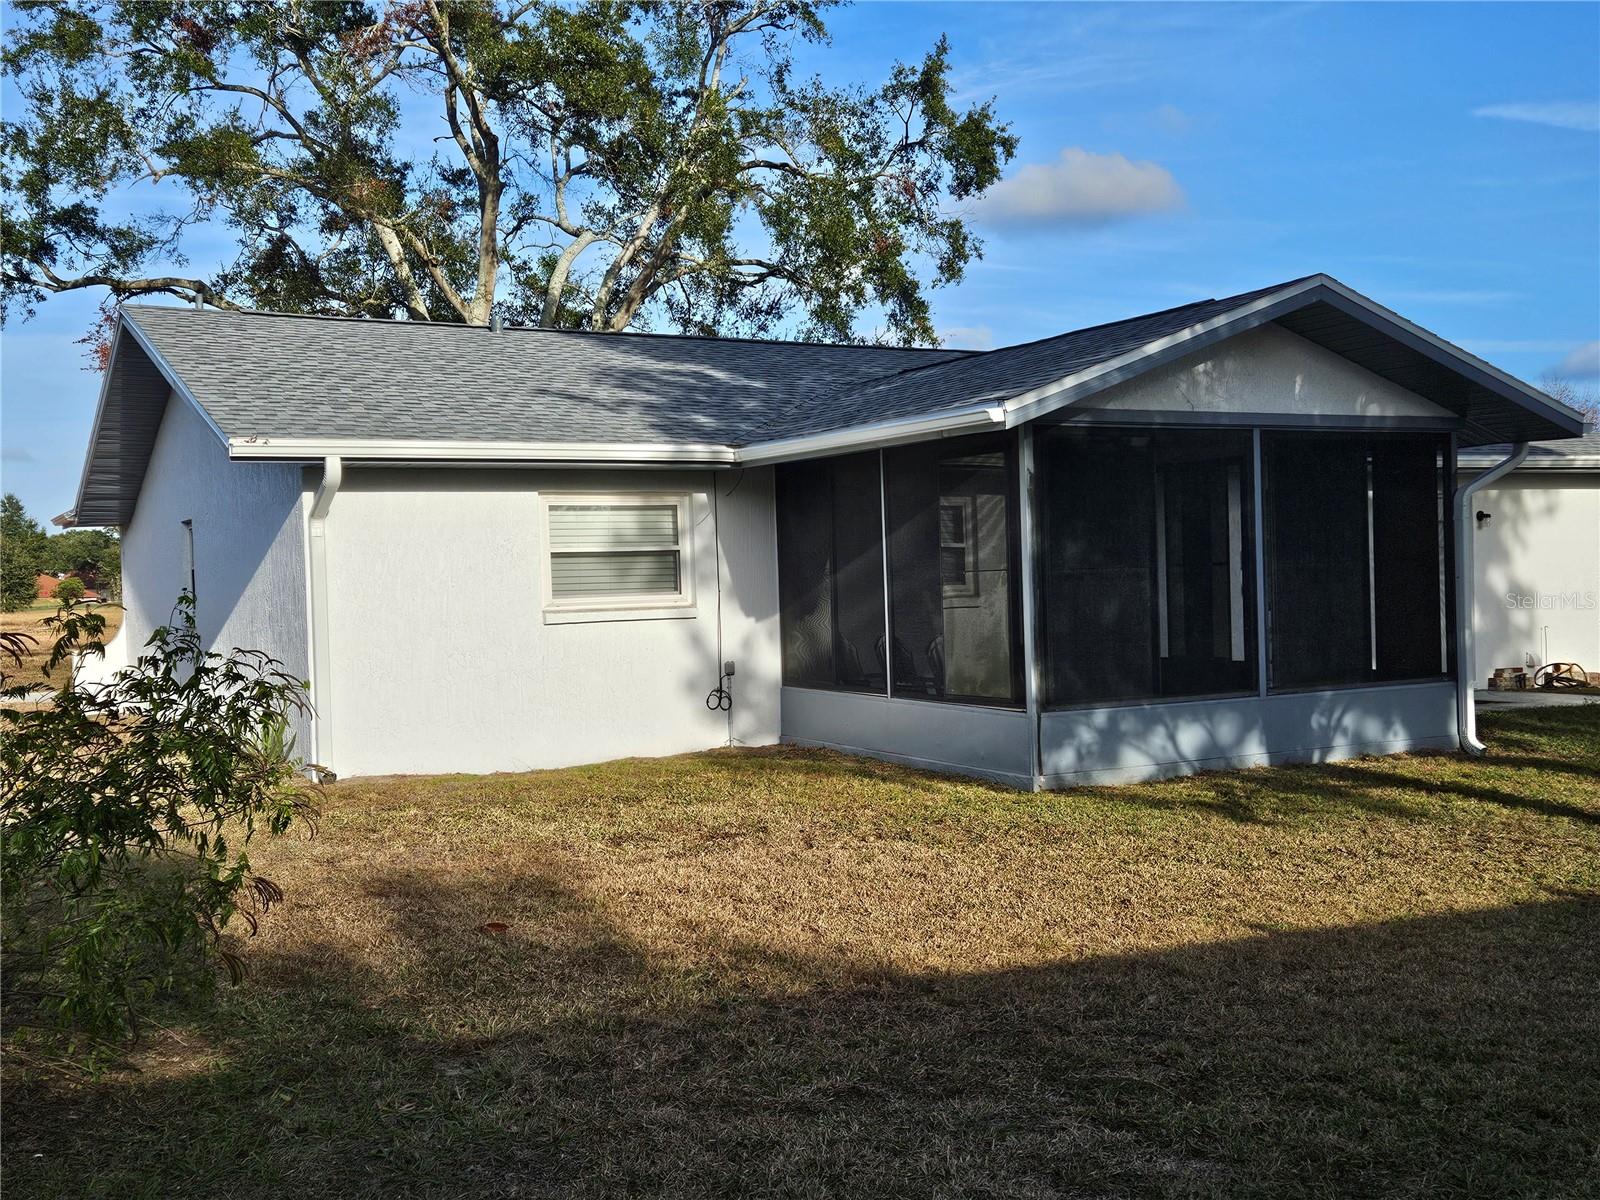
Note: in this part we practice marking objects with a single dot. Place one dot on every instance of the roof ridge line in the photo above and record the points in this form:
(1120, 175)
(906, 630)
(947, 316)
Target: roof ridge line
(545, 329)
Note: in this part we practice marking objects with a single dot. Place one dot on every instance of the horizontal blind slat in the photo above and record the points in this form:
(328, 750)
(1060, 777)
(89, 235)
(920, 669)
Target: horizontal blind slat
(632, 573)
(614, 526)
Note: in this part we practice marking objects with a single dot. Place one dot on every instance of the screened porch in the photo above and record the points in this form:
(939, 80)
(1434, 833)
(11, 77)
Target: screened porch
(1091, 601)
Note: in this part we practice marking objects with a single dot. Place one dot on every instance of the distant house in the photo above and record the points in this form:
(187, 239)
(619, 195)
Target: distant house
(48, 583)
(1537, 542)
(1218, 535)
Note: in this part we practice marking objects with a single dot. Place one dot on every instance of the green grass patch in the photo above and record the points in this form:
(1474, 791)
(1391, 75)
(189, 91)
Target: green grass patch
(791, 973)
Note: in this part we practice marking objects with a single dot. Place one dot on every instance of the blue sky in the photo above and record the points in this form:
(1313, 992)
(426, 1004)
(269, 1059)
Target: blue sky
(1442, 159)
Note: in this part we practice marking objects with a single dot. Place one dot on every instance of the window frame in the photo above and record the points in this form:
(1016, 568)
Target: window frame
(620, 606)
(967, 506)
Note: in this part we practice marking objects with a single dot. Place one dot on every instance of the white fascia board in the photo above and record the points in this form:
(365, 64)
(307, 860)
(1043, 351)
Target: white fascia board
(871, 437)
(617, 453)
(405, 450)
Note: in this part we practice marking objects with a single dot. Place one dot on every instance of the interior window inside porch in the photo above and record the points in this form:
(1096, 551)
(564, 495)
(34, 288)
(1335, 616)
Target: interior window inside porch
(953, 606)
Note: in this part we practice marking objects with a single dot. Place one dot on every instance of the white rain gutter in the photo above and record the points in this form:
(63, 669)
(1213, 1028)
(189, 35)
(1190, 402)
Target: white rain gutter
(1566, 462)
(407, 450)
(872, 437)
(317, 584)
(1466, 667)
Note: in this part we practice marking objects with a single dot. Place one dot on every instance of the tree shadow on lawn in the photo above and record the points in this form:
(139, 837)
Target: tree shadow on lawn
(1447, 1055)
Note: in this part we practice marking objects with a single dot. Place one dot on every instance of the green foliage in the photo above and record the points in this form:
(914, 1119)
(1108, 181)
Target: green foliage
(128, 808)
(26, 551)
(69, 590)
(615, 164)
(21, 550)
(94, 554)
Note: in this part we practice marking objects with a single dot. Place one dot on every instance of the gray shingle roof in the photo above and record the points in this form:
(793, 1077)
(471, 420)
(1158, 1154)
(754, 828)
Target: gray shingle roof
(272, 375)
(992, 377)
(300, 381)
(1576, 454)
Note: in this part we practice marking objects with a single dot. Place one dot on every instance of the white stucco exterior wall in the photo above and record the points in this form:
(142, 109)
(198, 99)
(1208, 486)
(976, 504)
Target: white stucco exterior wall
(1265, 370)
(1537, 566)
(249, 557)
(442, 660)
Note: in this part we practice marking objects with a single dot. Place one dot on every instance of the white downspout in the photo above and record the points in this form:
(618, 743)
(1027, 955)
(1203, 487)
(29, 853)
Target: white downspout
(1466, 667)
(1032, 652)
(321, 666)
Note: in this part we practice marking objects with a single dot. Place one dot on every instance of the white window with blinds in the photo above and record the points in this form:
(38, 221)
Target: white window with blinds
(628, 553)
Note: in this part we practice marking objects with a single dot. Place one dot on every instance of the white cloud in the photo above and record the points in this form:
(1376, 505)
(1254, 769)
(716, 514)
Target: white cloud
(1080, 188)
(1574, 114)
(17, 454)
(1582, 363)
(967, 337)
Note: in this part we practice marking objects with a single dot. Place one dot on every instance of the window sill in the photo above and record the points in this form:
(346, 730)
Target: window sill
(589, 616)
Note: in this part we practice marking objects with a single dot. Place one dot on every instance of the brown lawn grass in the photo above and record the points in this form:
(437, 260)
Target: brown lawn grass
(29, 621)
(788, 973)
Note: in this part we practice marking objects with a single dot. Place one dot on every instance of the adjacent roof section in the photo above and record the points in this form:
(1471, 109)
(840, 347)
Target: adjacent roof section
(1569, 454)
(997, 376)
(298, 388)
(1036, 378)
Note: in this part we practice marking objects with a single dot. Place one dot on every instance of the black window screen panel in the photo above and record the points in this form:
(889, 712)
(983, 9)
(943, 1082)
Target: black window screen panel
(1205, 563)
(805, 572)
(858, 573)
(830, 573)
(1099, 566)
(1407, 556)
(1317, 567)
(953, 548)
(1147, 573)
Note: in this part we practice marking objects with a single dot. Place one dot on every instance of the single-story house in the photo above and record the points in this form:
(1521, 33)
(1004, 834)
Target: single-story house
(1218, 535)
(1536, 535)
(47, 584)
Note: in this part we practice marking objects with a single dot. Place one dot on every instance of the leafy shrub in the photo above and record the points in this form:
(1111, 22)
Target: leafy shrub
(69, 590)
(128, 808)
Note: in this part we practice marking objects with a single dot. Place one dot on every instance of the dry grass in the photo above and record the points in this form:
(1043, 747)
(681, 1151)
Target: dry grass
(29, 621)
(791, 973)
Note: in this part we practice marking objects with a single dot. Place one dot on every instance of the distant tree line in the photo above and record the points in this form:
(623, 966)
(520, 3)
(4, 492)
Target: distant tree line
(27, 551)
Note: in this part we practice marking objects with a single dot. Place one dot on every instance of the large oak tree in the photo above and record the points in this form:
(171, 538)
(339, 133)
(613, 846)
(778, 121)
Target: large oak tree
(600, 164)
